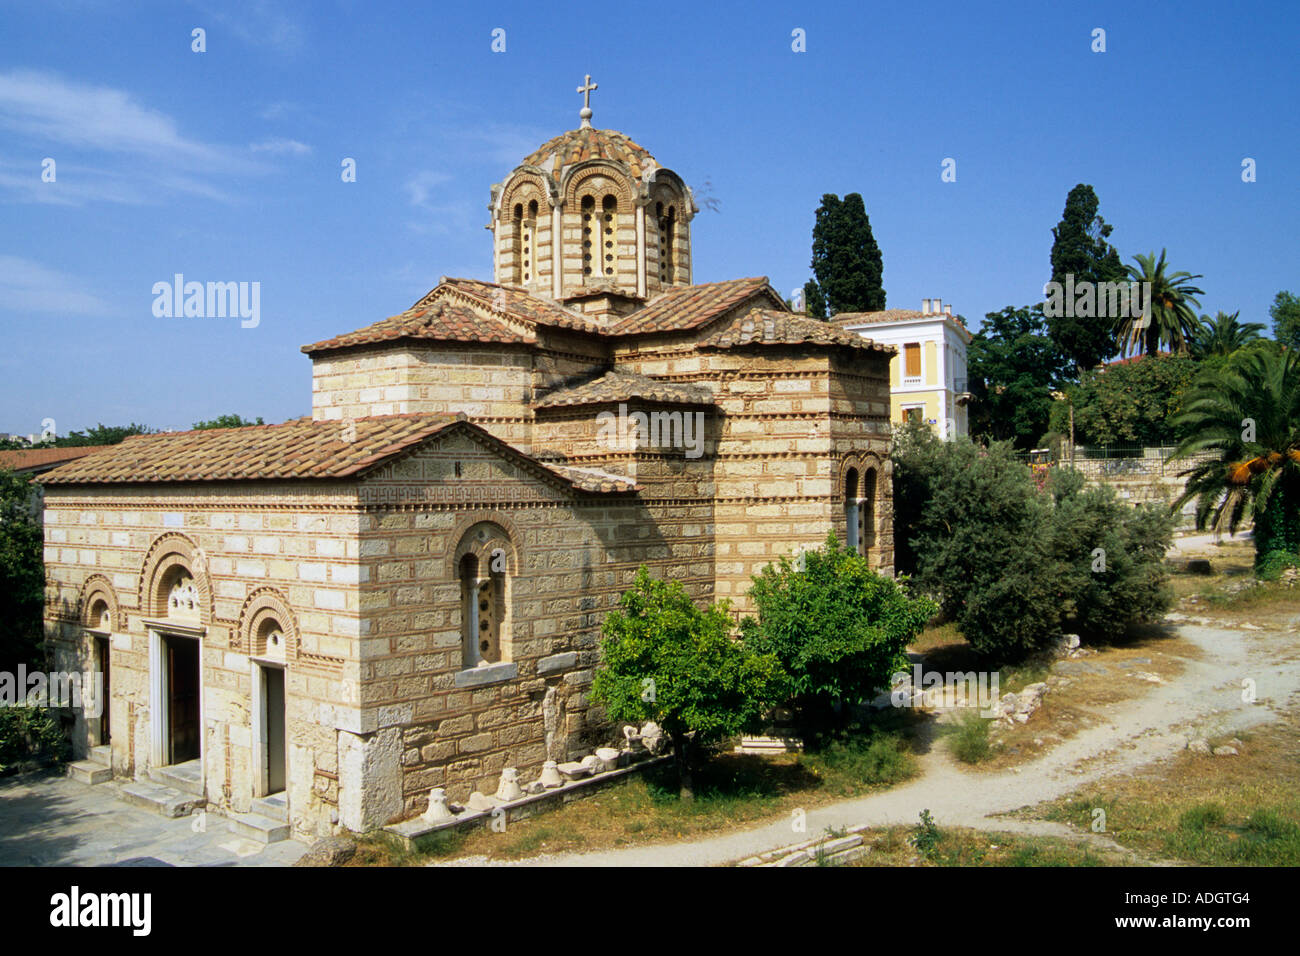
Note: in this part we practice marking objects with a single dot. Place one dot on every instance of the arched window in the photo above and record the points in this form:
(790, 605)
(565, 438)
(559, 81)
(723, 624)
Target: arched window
(483, 570)
(516, 240)
(590, 234)
(529, 240)
(609, 234)
(867, 513)
(851, 510)
(667, 227)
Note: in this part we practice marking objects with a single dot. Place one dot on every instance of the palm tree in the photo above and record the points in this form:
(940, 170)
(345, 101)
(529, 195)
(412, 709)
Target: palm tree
(1246, 416)
(1169, 316)
(1222, 335)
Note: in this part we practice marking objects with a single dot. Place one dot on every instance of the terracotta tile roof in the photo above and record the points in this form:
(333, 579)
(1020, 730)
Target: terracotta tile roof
(592, 479)
(32, 459)
(297, 449)
(465, 310)
(580, 145)
(769, 327)
(690, 306)
(618, 386)
(519, 303)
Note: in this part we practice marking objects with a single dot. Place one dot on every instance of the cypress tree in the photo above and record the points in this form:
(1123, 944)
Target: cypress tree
(846, 262)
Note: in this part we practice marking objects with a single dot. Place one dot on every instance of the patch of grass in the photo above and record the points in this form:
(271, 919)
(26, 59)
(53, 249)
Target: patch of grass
(968, 738)
(1199, 809)
(959, 846)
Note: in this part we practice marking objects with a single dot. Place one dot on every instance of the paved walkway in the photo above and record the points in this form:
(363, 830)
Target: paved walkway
(1206, 697)
(50, 820)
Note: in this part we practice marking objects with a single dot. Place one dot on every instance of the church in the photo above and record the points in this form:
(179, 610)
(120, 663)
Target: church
(318, 621)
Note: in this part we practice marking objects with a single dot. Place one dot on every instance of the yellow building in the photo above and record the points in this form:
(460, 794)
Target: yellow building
(927, 377)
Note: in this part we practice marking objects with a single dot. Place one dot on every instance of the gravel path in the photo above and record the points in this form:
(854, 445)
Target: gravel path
(1206, 697)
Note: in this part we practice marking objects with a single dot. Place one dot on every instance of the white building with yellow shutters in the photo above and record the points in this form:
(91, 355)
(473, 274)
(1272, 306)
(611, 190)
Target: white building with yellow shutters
(928, 375)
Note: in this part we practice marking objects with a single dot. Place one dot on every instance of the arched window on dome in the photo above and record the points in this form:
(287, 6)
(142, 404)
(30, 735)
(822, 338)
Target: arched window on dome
(667, 228)
(530, 240)
(516, 241)
(609, 234)
(590, 233)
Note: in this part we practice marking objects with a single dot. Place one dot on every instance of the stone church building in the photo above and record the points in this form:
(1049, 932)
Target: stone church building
(323, 619)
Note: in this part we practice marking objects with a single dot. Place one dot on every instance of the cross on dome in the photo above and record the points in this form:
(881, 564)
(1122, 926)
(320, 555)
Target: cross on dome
(585, 112)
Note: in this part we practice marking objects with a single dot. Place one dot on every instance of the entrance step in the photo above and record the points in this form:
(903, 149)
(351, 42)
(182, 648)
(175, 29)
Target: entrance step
(275, 806)
(186, 777)
(102, 755)
(161, 799)
(89, 772)
(254, 826)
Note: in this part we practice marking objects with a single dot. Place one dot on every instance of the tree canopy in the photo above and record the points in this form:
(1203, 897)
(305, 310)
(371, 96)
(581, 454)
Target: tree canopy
(848, 271)
(1285, 313)
(1080, 249)
(1014, 367)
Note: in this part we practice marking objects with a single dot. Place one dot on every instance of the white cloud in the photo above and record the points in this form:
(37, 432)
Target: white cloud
(29, 286)
(46, 107)
(258, 23)
(420, 187)
(279, 146)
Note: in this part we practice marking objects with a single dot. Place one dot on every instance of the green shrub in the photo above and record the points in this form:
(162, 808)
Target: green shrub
(1013, 564)
(877, 759)
(926, 835)
(970, 738)
(1272, 564)
(31, 735)
(838, 629)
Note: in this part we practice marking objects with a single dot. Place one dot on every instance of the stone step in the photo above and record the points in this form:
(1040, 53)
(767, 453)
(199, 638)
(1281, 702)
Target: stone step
(161, 799)
(276, 807)
(89, 772)
(102, 755)
(254, 826)
(185, 777)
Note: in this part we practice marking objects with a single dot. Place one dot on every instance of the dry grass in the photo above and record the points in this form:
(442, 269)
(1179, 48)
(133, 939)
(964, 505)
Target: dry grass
(1230, 593)
(1206, 810)
(960, 846)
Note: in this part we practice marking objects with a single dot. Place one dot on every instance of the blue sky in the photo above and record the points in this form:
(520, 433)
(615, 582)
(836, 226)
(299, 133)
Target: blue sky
(225, 165)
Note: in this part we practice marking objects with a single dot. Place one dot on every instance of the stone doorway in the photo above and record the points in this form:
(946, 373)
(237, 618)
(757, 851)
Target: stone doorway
(102, 646)
(181, 693)
(273, 769)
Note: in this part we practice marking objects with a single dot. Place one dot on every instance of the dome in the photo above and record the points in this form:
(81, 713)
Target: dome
(580, 145)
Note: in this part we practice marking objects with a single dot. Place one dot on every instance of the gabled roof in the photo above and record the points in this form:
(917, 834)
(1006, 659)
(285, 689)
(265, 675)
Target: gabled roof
(585, 143)
(39, 459)
(690, 306)
(769, 327)
(619, 386)
(465, 310)
(297, 449)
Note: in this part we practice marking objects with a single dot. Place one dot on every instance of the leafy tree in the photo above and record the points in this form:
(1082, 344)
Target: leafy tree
(1111, 556)
(664, 659)
(1285, 313)
(846, 262)
(22, 574)
(1222, 335)
(1128, 403)
(1080, 249)
(1012, 564)
(1246, 417)
(102, 434)
(227, 421)
(1171, 320)
(837, 628)
(1014, 367)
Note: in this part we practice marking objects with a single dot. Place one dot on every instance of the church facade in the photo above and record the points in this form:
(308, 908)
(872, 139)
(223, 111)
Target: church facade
(405, 589)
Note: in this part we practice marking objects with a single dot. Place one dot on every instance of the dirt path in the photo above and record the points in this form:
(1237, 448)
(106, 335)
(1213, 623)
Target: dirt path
(1206, 697)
